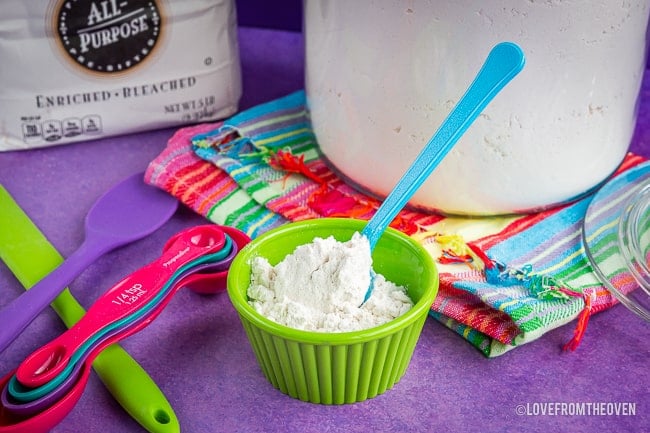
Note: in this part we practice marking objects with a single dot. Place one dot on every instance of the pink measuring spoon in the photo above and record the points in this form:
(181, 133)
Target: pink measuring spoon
(207, 280)
(122, 300)
(209, 277)
(31, 401)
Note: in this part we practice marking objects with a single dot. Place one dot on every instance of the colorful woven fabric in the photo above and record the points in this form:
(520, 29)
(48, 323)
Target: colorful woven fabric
(206, 190)
(505, 281)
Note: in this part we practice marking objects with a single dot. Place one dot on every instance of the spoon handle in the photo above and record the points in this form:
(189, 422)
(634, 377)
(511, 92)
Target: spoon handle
(20, 312)
(504, 61)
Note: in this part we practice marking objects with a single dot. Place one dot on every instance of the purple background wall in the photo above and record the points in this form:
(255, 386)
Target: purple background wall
(277, 14)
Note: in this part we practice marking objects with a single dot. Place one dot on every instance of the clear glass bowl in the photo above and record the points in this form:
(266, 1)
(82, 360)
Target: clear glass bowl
(616, 237)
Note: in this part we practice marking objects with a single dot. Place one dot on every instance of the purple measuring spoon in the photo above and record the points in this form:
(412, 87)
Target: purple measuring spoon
(127, 212)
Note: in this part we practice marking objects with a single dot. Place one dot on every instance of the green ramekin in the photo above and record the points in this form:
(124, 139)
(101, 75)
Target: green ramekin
(336, 368)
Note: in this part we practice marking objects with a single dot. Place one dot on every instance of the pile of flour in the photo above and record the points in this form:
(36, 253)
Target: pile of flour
(321, 285)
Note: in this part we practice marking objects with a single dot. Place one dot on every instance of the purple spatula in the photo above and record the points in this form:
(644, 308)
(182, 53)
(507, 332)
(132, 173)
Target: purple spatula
(127, 212)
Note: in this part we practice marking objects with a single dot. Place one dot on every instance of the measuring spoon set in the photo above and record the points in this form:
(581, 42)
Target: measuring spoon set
(48, 383)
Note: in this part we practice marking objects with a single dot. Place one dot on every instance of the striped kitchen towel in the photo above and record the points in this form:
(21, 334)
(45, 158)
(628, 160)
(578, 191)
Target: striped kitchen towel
(505, 281)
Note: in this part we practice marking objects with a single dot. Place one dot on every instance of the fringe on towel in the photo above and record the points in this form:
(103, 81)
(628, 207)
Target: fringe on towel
(543, 287)
(455, 250)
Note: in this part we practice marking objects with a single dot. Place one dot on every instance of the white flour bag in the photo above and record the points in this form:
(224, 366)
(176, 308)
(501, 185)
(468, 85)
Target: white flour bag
(75, 70)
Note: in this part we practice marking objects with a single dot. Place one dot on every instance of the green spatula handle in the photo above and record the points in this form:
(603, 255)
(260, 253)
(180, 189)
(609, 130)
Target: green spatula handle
(30, 256)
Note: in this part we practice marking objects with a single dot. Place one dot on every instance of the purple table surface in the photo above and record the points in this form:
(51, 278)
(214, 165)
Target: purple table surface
(199, 355)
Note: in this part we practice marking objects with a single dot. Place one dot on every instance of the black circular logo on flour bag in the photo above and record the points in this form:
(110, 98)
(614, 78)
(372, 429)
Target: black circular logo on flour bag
(108, 36)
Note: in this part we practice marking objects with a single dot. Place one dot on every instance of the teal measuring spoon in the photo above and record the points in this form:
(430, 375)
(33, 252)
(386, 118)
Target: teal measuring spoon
(503, 63)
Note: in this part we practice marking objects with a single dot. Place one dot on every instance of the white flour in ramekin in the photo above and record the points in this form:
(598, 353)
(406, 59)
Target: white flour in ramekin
(321, 286)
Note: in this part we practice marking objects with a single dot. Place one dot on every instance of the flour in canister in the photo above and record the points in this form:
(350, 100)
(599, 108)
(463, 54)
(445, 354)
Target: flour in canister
(321, 286)
(379, 87)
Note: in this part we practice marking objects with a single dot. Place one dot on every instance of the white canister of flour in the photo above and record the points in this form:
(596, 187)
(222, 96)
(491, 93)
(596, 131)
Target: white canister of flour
(382, 75)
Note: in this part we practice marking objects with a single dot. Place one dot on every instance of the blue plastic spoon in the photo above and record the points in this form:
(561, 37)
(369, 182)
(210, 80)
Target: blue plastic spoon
(504, 61)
